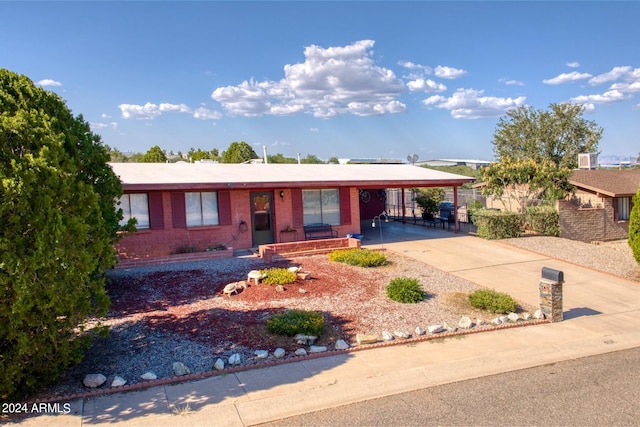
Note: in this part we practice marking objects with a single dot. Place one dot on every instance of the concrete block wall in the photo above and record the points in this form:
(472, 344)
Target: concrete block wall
(591, 224)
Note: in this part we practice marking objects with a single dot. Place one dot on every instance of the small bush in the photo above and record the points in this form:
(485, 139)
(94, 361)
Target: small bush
(405, 290)
(296, 322)
(498, 225)
(279, 276)
(493, 301)
(544, 220)
(359, 257)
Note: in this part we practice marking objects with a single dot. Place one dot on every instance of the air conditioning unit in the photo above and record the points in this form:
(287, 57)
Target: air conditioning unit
(587, 160)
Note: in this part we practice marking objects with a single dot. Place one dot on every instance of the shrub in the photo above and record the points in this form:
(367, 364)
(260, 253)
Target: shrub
(405, 290)
(296, 322)
(634, 227)
(498, 225)
(359, 257)
(279, 276)
(493, 301)
(544, 220)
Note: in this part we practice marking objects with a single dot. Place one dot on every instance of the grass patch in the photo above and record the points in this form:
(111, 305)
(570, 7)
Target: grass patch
(279, 276)
(296, 322)
(359, 257)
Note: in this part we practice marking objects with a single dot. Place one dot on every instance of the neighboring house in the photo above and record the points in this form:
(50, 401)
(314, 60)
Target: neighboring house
(601, 206)
(206, 205)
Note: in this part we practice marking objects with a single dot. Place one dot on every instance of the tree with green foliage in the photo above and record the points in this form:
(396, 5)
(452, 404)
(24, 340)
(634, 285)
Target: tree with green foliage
(154, 155)
(518, 182)
(557, 135)
(238, 152)
(429, 199)
(59, 224)
(201, 154)
(634, 227)
(279, 158)
(311, 159)
(116, 155)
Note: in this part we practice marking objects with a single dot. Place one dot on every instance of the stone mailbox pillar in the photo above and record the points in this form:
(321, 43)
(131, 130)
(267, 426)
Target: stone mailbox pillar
(551, 294)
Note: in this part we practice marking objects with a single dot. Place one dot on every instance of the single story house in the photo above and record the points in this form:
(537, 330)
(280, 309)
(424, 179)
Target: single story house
(601, 206)
(206, 205)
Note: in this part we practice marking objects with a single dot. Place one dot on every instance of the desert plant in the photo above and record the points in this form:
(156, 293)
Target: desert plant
(295, 322)
(359, 257)
(493, 301)
(279, 276)
(405, 290)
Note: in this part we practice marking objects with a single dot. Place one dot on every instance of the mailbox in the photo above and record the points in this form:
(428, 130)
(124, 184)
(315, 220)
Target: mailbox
(553, 275)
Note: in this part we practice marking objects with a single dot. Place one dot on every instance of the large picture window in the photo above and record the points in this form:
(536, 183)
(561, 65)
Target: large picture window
(135, 205)
(321, 206)
(202, 208)
(623, 208)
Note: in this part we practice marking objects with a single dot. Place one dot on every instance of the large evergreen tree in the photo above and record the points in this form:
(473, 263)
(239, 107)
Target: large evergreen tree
(59, 223)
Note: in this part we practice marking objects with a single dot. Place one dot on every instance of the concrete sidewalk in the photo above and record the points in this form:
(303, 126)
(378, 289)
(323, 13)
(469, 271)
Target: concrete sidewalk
(602, 314)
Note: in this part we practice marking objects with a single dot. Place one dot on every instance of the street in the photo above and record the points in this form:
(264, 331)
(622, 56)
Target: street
(601, 390)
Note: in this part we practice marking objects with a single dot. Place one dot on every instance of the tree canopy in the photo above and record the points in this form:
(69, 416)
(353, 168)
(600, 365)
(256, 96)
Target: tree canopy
(557, 135)
(154, 155)
(58, 227)
(238, 152)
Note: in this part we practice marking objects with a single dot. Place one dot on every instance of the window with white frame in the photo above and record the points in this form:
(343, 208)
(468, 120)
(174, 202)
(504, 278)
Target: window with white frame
(321, 206)
(623, 208)
(202, 208)
(135, 205)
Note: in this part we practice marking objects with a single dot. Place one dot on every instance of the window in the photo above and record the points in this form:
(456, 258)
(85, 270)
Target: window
(321, 206)
(135, 205)
(202, 208)
(623, 208)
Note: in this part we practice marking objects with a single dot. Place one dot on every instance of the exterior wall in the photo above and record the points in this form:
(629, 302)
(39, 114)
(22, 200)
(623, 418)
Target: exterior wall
(591, 223)
(168, 240)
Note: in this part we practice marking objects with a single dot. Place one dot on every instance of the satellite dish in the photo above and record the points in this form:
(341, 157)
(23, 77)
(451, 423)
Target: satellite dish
(412, 158)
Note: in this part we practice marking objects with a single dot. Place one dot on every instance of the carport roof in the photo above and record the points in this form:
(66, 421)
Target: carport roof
(191, 176)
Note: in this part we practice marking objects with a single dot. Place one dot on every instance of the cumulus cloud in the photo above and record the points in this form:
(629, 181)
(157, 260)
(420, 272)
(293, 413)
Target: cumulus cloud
(48, 82)
(616, 73)
(470, 104)
(567, 78)
(415, 67)
(510, 82)
(448, 72)
(604, 98)
(574, 64)
(427, 85)
(150, 111)
(330, 81)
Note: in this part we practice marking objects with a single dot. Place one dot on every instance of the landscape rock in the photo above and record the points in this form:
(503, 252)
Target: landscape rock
(235, 359)
(261, 354)
(300, 352)
(118, 381)
(436, 329)
(280, 288)
(303, 339)
(302, 291)
(149, 376)
(513, 317)
(497, 321)
(279, 353)
(317, 349)
(538, 314)
(526, 315)
(504, 319)
(94, 380)
(402, 334)
(304, 276)
(341, 345)
(362, 339)
(480, 321)
(420, 331)
(465, 322)
(294, 269)
(179, 369)
(448, 328)
(219, 365)
(387, 336)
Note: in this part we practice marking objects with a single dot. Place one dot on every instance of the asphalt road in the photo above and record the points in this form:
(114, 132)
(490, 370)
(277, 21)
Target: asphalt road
(601, 390)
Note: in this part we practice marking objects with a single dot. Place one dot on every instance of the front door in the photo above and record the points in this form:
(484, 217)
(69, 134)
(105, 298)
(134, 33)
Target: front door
(262, 213)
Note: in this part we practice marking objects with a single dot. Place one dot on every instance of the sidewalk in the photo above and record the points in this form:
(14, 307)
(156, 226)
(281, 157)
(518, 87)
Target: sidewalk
(602, 314)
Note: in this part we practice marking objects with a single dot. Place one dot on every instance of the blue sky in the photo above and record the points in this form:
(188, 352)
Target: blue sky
(344, 79)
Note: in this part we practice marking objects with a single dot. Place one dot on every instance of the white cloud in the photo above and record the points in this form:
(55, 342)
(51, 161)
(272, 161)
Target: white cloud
(105, 116)
(567, 78)
(425, 86)
(330, 81)
(112, 125)
(470, 104)
(610, 76)
(150, 111)
(314, 130)
(415, 67)
(509, 82)
(574, 64)
(449, 72)
(48, 82)
(627, 87)
(605, 98)
(206, 114)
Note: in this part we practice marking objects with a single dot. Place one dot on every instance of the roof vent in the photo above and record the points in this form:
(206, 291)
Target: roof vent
(587, 160)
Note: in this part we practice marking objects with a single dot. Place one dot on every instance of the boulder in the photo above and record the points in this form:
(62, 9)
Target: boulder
(179, 369)
(149, 376)
(261, 354)
(387, 336)
(465, 322)
(300, 352)
(402, 334)
(526, 315)
(235, 359)
(94, 380)
(366, 339)
(341, 345)
(279, 353)
(118, 381)
(420, 331)
(538, 315)
(317, 349)
(436, 329)
(497, 321)
(304, 275)
(219, 365)
(513, 317)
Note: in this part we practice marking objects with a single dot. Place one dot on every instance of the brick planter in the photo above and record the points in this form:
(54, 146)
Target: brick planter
(306, 247)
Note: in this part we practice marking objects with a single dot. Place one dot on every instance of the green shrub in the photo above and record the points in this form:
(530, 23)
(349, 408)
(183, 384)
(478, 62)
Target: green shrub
(634, 227)
(405, 290)
(296, 322)
(493, 301)
(279, 276)
(359, 257)
(497, 224)
(544, 220)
